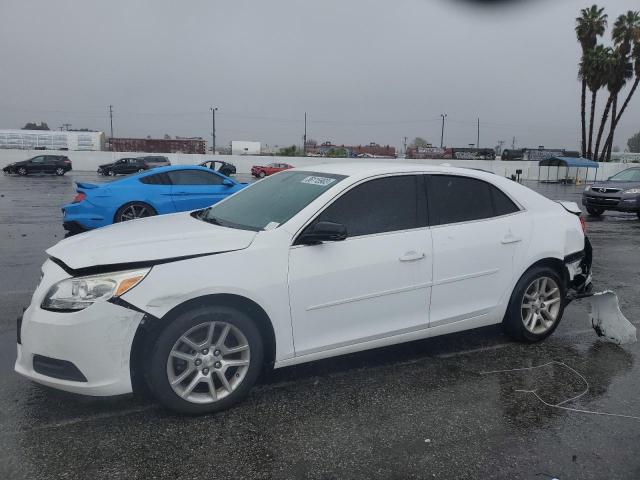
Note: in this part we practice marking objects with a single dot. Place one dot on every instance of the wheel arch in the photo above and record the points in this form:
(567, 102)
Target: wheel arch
(151, 326)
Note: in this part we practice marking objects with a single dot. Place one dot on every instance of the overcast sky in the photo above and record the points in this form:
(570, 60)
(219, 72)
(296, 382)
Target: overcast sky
(364, 70)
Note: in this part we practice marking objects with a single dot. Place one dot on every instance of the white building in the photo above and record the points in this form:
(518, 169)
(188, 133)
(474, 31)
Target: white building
(239, 147)
(51, 140)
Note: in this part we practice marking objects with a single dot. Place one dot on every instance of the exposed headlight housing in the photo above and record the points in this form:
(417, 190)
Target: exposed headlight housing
(633, 191)
(73, 294)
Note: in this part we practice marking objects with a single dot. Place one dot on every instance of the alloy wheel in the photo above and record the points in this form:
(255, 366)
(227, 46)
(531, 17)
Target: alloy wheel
(59, 171)
(22, 171)
(541, 305)
(134, 211)
(208, 362)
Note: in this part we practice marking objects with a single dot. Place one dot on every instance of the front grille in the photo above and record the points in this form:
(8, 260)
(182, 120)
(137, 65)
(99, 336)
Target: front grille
(603, 200)
(60, 369)
(605, 190)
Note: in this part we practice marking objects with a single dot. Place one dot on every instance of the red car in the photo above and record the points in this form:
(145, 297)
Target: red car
(260, 171)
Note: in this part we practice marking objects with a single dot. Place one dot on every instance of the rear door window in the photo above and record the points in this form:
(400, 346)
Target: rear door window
(455, 199)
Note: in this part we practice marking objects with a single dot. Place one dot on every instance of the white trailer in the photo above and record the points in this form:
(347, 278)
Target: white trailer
(51, 140)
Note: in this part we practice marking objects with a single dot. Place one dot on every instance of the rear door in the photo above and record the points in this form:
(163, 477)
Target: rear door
(194, 189)
(477, 231)
(50, 163)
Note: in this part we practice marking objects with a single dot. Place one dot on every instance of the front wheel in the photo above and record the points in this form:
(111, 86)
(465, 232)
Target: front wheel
(262, 174)
(59, 171)
(595, 212)
(536, 305)
(22, 171)
(205, 360)
(111, 173)
(134, 210)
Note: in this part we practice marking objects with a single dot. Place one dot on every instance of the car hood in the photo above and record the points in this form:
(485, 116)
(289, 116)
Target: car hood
(620, 185)
(147, 240)
(107, 165)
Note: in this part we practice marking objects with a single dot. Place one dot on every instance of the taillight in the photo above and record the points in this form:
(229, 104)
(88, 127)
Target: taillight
(67, 161)
(583, 224)
(80, 196)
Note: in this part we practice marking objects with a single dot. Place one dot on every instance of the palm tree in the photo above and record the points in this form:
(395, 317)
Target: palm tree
(626, 36)
(618, 71)
(589, 25)
(594, 68)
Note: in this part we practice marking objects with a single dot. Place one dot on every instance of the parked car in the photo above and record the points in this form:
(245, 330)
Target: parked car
(123, 166)
(260, 171)
(155, 161)
(56, 164)
(152, 192)
(620, 193)
(224, 168)
(307, 264)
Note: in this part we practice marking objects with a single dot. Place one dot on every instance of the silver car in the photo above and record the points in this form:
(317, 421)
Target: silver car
(620, 193)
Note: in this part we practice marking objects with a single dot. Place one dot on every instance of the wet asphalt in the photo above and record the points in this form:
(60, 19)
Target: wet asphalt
(426, 409)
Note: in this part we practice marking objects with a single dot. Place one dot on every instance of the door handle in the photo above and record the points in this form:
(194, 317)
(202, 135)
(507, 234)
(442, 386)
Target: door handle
(411, 256)
(509, 238)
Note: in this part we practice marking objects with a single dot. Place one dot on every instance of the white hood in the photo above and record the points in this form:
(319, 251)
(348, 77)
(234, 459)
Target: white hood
(148, 239)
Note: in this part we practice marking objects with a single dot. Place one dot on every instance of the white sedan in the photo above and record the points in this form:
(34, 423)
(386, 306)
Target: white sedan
(306, 264)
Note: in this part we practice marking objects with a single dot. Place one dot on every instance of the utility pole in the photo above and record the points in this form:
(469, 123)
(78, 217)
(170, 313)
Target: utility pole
(513, 143)
(304, 145)
(443, 115)
(478, 140)
(213, 130)
(111, 121)
(66, 126)
(405, 145)
(500, 144)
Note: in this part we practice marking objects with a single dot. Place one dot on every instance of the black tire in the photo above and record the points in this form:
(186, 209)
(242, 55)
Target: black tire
(118, 216)
(111, 173)
(23, 172)
(594, 211)
(60, 171)
(156, 369)
(513, 323)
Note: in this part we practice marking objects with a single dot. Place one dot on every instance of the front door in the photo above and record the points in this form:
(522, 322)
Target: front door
(477, 230)
(374, 284)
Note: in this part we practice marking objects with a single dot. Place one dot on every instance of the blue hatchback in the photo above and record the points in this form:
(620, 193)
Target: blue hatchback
(153, 192)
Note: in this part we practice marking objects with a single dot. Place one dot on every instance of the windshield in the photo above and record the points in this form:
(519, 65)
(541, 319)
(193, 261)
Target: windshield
(270, 202)
(630, 175)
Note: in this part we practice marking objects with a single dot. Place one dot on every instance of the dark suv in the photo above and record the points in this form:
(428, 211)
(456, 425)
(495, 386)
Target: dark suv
(58, 164)
(620, 193)
(123, 167)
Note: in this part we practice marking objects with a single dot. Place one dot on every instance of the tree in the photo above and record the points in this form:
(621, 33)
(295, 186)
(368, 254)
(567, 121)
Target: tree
(618, 70)
(291, 151)
(589, 25)
(419, 142)
(337, 152)
(167, 136)
(627, 34)
(634, 143)
(594, 68)
(35, 126)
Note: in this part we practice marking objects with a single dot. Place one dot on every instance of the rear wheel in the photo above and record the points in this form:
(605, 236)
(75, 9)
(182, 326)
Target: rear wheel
(536, 305)
(22, 171)
(134, 210)
(59, 171)
(595, 212)
(205, 360)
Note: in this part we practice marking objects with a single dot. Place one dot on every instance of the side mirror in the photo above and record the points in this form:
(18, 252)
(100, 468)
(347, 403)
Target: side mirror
(227, 183)
(323, 232)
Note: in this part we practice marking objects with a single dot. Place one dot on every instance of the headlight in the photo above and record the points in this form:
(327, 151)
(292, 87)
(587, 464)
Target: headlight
(587, 188)
(78, 293)
(632, 191)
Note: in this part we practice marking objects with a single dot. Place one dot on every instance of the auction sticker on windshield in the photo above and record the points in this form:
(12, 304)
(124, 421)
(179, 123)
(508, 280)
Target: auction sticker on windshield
(322, 181)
